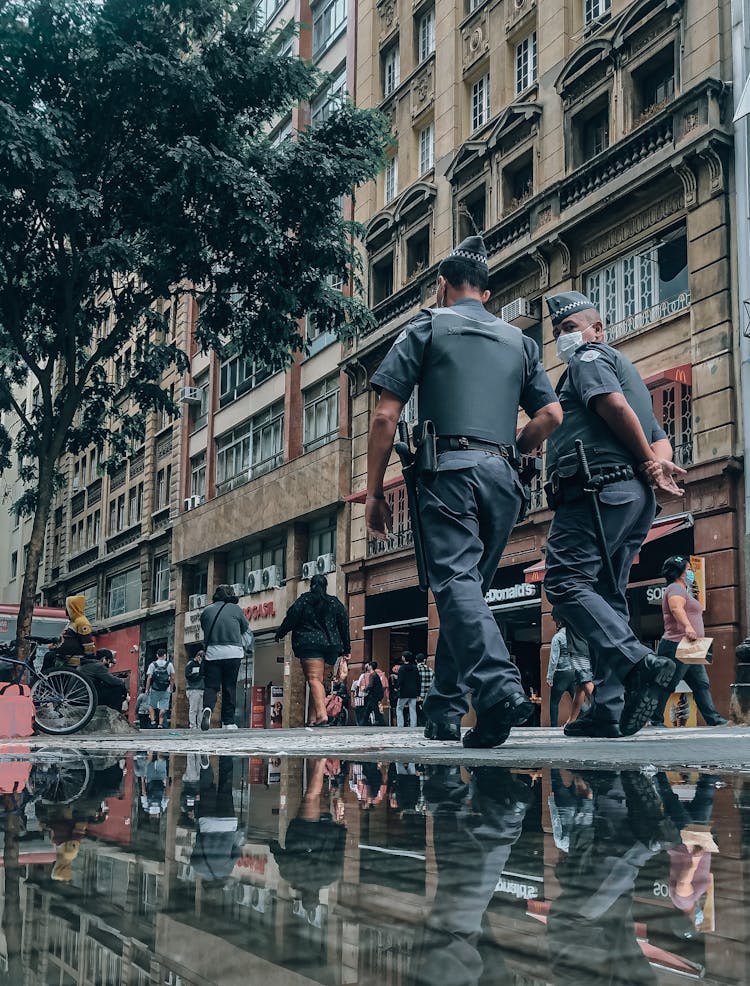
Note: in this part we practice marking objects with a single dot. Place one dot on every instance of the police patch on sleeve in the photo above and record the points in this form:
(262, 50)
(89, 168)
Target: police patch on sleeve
(590, 355)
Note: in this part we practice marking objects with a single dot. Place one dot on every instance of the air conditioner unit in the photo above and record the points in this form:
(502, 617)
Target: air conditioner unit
(270, 577)
(309, 569)
(191, 395)
(187, 503)
(198, 600)
(238, 588)
(255, 581)
(197, 500)
(325, 563)
(522, 313)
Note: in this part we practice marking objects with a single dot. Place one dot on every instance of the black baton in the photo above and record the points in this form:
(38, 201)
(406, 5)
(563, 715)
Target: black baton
(596, 515)
(403, 449)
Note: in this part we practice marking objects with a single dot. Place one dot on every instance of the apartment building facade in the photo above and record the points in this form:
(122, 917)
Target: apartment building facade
(590, 141)
(265, 457)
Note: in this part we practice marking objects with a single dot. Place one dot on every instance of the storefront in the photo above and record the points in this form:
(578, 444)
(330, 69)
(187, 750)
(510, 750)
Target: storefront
(396, 622)
(517, 608)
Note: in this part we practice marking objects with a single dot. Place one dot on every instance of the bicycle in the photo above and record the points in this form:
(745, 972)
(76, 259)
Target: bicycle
(64, 700)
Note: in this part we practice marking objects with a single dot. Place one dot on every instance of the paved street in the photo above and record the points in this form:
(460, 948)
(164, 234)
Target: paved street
(725, 748)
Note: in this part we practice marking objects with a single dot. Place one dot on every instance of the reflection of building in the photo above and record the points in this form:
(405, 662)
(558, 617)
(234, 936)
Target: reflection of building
(591, 144)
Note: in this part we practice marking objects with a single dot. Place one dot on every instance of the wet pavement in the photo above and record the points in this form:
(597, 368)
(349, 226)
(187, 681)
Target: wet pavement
(192, 869)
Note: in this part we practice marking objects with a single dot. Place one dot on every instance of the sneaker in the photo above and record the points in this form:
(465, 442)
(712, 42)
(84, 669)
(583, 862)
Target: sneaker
(206, 720)
(229, 725)
(205, 761)
(443, 731)
(645, 686)
(717, 720)
(494, 724)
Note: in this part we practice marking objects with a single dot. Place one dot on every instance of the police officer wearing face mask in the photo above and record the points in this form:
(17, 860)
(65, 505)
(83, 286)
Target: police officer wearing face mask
(607, 407)
(473, 371)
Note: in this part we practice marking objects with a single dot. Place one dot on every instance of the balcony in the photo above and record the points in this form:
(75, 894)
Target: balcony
(397, 540)
(83, 558)
(634, 323)
(123, 538)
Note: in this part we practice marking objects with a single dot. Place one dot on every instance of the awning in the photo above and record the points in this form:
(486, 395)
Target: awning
(361, 495)
(661, 528)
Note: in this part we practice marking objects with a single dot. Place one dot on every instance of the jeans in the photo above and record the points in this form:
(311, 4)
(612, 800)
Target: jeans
(222, 675)
(195, 707)
(696, 678)
(400, 706)
(563, 681)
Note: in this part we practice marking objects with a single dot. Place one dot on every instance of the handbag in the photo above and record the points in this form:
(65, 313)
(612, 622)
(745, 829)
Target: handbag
(248, 642)
(16, 710)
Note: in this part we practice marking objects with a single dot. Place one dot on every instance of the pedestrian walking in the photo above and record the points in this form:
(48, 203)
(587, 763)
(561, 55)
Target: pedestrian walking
(560, 676)
(603, 465)
(408, 690)
(194, 683)
(141, 710)
(320, 635)
(580, 662)
(226, 633)
(374, 693)
(683, 619)
(426, 676)
(473, 370)
(159, 685)
(358, 696)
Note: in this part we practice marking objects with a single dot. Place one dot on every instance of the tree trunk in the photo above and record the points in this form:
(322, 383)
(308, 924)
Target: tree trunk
(34, 558)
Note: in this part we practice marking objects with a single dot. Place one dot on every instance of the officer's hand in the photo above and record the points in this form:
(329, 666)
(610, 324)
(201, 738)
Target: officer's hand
(666, 479)
(378, 517)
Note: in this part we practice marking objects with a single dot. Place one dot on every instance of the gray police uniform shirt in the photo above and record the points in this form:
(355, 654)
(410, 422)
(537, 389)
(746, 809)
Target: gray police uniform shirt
(594, 370)
(401, 368)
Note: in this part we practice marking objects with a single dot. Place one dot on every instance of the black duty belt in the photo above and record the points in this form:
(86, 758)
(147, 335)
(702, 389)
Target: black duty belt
(460, 443)
(602, 476)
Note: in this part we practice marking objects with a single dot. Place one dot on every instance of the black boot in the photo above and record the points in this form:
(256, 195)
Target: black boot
(645, 686)
(494, 724)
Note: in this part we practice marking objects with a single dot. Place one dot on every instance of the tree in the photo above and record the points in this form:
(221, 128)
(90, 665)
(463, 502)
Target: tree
(135, 166)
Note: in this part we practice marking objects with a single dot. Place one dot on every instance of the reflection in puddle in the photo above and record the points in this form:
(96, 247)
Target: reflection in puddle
(194, 870)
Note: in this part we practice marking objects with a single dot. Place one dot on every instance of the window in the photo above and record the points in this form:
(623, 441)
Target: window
(251, 449)
(382, 279)
(267, 10)
(526, 63)
(673, 408)
(655, 85)
(124, 592)
(592, 9)
(332, 97)
(91, 595)
(596, 133)
(471, 213)
(93, 465)
(161, 578)
(164, 415)
(239, 375)
(418, 252)
(426, 35)
(480, 102)
(321, 416)
(641, 287)
(200, 581)
(518, 182)
(97, 532)
(135, 505)
(473, 4)
(329, 20)
(427, 149)
(391, 179)
(322, 539)
(259, 556)
(89, 530)
(391, 70)
(200, 411)
(117, 515)
(14, 564)
(162, 487)
(198, 475)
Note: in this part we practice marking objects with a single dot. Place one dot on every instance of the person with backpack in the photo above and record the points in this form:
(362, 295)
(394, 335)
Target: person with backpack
(320, 635)
(374, 694)
(159, 685)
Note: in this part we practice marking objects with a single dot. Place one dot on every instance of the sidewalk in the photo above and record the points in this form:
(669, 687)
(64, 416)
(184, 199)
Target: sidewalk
(727, 747)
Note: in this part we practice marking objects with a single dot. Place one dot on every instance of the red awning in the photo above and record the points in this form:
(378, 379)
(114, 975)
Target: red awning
(659, 529)
(361, 495)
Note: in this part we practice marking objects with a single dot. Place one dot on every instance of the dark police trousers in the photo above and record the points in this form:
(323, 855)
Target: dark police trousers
(579, 590)
(468, 509)
(562, 682)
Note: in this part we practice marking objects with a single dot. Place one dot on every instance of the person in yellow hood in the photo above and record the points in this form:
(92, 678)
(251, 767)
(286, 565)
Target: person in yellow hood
(77, 640)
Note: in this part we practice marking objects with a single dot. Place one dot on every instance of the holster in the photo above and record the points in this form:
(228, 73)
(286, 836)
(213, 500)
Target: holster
(425, 461)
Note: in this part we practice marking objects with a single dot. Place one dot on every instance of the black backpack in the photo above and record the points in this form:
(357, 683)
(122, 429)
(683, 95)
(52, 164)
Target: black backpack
(160, 678)
(375, 687)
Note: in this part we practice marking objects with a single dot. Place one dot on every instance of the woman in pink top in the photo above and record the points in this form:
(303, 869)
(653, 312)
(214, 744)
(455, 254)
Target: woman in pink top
(683, 617)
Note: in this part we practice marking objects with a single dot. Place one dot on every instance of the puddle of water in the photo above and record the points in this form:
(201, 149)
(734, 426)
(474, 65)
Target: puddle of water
(190, 870)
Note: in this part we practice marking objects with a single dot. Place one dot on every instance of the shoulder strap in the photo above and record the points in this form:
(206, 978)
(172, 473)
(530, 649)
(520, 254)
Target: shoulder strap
(213, 624)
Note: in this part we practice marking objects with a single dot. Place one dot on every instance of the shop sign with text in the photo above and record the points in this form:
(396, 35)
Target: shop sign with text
(513, 593)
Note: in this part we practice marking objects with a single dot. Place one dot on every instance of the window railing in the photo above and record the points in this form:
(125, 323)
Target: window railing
(395, 542)
(654, 313)
(247, 475)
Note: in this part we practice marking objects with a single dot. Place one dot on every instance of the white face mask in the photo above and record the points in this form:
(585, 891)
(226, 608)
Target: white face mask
(567, 344)
(161, 661)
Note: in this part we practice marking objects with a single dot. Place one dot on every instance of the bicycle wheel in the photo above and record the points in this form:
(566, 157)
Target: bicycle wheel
(61, 783)
(64, 702)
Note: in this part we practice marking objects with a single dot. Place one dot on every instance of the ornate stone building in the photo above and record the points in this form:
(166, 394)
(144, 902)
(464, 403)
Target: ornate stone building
(591, 143)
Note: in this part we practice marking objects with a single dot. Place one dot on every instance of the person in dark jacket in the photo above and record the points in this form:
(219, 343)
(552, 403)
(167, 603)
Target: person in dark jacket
(320, 634)
(194, 685)
(224, 626)
(111, 691)
(409, 687)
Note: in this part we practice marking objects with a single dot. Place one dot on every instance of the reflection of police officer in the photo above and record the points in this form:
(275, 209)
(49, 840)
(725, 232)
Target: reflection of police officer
(473, 371)
(474, 830)
(607, 407)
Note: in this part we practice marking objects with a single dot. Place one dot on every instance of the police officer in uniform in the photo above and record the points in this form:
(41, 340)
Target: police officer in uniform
(606, 406)
(473, 372)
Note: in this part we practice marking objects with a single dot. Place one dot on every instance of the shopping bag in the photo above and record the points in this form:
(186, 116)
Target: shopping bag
(16, 710)
(695, 651)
